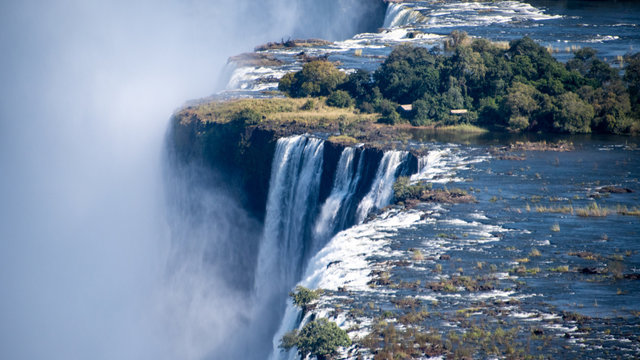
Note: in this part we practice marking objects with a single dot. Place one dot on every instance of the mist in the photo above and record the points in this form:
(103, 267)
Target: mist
(93, 263)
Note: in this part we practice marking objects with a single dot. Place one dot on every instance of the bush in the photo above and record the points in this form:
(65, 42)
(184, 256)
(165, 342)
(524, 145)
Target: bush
(421, 115)
(340, 98)
(309, 105)
(320, 338)
(247, 117)
(388, 111)
(573, 115)
(366, 108)
(407, 74)
(359, 86)
(303, 297)
(317, 78)
(403, 190)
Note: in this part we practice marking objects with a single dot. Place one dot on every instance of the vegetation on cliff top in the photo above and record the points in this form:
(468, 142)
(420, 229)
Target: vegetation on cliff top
(474, 84)
(518, 88)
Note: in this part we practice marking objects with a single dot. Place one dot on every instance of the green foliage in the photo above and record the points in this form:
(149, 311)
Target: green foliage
(407, 74)
(422, 113)
(340, 98)
(247, 117)
(320, 338)
(573, 115)
(304, 297)
(388, 111)
(403, 190)
(317, 78)
(359, 86)
(519, 87)
(308, 105)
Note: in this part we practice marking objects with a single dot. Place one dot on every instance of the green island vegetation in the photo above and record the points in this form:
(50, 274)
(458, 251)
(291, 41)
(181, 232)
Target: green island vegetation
(474, 82)
(410, 194)
(472, 86)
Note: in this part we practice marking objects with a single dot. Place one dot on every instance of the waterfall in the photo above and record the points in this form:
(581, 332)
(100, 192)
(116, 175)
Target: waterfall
(293, 193)
(333, 214)
(400, 15)
(381, 190)
(332, 217)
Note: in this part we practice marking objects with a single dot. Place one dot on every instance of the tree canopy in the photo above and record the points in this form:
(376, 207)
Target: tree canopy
(519, 87)
(320, 338)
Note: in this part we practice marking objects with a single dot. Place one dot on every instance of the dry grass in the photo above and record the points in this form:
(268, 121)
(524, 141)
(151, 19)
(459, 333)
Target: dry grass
(623, 210)
(462, 128)
(558, 209)
(593, 210)
(276, 110)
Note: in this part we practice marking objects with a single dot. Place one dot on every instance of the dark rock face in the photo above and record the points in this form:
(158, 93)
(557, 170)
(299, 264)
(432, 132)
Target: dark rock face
(244, 155)
(614, 190)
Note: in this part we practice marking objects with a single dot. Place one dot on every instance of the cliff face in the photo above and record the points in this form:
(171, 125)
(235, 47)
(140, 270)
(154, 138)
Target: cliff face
(244, 154)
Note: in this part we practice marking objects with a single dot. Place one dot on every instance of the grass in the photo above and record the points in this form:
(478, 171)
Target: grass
(277, 110)
(593, 210)
(535, 253)
(343, 140)
(462, 128)
(623, 210)
(560, 269)
(556, 210)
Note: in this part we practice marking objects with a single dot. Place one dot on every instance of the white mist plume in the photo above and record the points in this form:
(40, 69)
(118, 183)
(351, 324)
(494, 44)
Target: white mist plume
(86, 89)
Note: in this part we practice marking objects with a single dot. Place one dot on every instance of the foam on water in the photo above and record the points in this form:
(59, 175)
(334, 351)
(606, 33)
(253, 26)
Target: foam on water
(454, 13)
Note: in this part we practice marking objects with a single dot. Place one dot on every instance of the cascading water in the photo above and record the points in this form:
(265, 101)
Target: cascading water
(400, 15)
(332, 216)
(381, 189)
(293, 193)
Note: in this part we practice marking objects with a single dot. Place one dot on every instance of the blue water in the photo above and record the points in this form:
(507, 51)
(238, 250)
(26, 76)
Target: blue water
(612, 28)
(494, 241)
(565, 284)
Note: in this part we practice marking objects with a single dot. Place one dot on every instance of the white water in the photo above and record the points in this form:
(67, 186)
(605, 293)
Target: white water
(461, 13)
(332, 216)
(293, 192)
(87, 89)
(382, 188)
(400, 15)
(378, 196)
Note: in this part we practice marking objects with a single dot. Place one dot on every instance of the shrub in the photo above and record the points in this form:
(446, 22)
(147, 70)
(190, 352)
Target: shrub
(573, 115)
(304, 297)
(246, 116)
(407, 74)
(340, 98)
(403, 190)
(320, 338)
(309, 105)
(317, 78)
(388, 111)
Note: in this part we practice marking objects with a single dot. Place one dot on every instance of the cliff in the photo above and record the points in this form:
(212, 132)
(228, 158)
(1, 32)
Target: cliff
(238, 138)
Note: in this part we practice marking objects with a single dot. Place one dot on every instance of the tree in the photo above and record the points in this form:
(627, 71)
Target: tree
(572, 115)
(304, 297)
(388, 111)
(359, 86)
(340, 98)
(320, 338)
(317, 78)
(408, 73)
(519, 104)
(632, 77)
